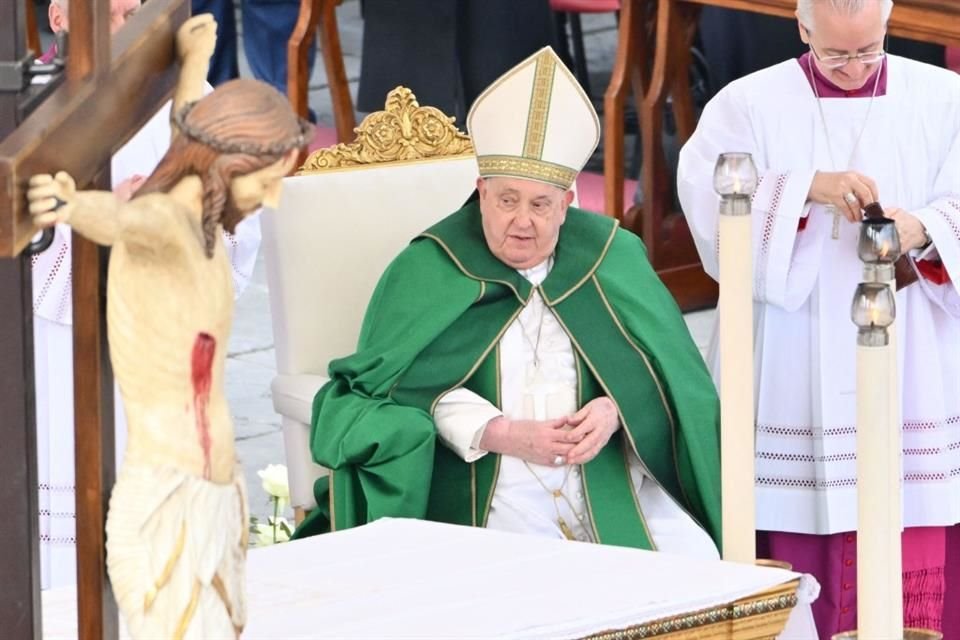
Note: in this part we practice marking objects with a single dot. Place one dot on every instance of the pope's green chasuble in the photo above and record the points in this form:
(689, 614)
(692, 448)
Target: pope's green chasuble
(433, 325)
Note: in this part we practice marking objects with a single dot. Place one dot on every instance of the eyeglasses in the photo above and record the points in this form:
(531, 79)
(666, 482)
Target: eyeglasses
(866, 58)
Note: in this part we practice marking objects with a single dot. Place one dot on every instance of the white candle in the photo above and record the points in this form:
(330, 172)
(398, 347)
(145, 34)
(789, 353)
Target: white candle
(735, 178)
(736, 389)
(894, 471)
(879, 582)
(879, 599)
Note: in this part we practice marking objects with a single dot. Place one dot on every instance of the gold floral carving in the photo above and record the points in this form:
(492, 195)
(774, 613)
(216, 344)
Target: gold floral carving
(402, 132)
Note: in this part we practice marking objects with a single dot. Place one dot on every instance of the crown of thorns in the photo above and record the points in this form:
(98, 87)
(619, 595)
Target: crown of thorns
(246, 148)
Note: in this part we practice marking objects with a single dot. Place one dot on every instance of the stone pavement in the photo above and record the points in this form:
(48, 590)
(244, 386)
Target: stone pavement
(251, 361)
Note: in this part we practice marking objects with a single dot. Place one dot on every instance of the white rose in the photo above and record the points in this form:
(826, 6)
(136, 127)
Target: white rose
(274, 481)
(265, 532)
(263, 535)
(284, 528)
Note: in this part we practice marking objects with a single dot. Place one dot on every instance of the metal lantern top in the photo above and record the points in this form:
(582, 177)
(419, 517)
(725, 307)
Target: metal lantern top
(735, 175)
(879, 241)
(873, 310)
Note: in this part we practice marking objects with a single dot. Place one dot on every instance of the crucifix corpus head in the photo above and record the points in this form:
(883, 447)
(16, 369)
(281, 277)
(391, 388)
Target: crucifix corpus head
(240, 140)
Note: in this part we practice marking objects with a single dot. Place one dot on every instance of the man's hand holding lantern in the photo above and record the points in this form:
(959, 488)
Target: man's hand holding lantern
(913, 235)
(847, 191)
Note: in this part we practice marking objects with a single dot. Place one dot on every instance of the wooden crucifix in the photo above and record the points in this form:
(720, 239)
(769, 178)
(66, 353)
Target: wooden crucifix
(107, 96)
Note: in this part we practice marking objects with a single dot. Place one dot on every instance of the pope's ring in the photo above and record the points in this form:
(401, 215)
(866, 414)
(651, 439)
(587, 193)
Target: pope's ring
(558, 461)
(850, 197)
(57, 203)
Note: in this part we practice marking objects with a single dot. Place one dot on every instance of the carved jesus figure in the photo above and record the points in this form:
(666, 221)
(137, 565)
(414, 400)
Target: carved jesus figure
(176, 529)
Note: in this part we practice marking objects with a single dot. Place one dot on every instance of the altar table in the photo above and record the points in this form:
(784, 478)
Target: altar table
(399, 578)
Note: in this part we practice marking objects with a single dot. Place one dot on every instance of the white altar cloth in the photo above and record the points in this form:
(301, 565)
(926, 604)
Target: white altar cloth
(415, 579)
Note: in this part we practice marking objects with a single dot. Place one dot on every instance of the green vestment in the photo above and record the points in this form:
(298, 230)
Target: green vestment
(434, 324)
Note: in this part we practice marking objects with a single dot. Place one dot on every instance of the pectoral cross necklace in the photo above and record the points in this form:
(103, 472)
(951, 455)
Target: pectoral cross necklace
(538, 388)
(534, 344)
(559, 494)
(534, 381)
(835, 233)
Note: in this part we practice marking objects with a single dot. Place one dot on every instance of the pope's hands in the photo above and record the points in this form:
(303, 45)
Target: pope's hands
(537, 441)
(835, 189)
(197, 38)
(575, 439)
(911, 230)
(593, 425)
(51, 198)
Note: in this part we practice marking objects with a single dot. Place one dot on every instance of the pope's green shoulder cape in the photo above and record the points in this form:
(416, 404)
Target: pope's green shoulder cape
(434, 324)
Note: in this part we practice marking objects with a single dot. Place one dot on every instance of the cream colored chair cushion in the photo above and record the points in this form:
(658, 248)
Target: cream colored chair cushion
(326, 246)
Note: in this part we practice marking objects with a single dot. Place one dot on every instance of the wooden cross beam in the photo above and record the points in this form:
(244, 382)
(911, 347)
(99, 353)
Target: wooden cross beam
(104, 101)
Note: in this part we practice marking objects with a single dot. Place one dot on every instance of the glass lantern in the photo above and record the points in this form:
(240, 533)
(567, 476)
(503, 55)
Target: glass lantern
(735, 180)
(873, 310)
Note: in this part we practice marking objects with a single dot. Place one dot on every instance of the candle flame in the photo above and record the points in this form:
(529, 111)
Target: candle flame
(884, 249)
(736, 184)
(874, 315)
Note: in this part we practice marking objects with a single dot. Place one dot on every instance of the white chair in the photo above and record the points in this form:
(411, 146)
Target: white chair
(345, 215)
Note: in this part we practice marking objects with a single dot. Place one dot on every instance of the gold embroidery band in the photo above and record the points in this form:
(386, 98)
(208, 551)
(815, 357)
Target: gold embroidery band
(539, 106)
(528, 168)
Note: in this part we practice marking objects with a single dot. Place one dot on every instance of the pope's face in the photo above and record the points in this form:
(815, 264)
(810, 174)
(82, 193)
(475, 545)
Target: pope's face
(522, 219)
(835, 33)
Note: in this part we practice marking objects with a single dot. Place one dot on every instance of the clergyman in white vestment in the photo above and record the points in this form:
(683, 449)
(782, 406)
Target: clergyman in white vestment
(840, 128)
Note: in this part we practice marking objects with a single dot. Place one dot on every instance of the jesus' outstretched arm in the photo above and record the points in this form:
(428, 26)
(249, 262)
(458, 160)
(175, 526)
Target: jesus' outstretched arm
(100, 215)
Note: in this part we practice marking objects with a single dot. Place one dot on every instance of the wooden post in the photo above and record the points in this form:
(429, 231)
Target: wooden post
(632, 58)
(324, 13)
(336, 72)
(19, 540)
(94, 444)
(92, 379)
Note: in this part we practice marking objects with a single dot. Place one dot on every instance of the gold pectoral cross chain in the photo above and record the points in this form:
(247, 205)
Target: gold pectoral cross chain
(565, 529)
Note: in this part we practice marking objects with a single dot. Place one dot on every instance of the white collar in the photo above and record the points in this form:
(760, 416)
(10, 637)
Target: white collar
(538, 273)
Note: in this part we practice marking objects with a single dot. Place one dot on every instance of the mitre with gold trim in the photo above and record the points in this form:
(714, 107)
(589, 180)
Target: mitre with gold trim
(534, 122)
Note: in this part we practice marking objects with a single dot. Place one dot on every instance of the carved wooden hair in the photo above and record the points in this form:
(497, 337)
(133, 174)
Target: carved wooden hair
(240, 114)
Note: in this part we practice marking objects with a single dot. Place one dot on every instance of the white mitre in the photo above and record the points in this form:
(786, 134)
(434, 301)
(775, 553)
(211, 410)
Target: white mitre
(535, 122)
